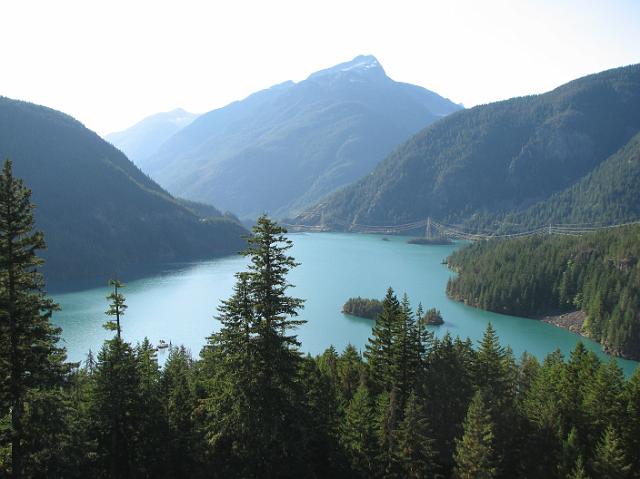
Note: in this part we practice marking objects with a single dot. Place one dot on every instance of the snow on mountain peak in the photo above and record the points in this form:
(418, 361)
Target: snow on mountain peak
(361, 63)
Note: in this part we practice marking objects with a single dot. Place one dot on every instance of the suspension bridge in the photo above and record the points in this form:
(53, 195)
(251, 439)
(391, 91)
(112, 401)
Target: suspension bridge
(434, 229)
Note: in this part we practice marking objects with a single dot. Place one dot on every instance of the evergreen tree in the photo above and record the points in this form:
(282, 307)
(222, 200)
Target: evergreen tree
(496, 375)
(31, 363)
(321, 421)
(571, 453)
(231, 419)
(543, 411)
(152, 425)
(117, 307)
(425, 337)
(116, 403)
(448, 391)
(578, 471)
(349, 371)
(184, 442)
(388, 419)
(609, 461)
(253, 402)
(79, 449)
(490, 366)
(603, 401)
(527, 373)
(475, 455)
(115, 409)
(359, 434)
(408, 357)
(90, 363)
(381, 348)
(328, 364)
(576, 381)
(415, 449)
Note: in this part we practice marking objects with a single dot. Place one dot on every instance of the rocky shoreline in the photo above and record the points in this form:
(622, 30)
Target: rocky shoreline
(570, 321)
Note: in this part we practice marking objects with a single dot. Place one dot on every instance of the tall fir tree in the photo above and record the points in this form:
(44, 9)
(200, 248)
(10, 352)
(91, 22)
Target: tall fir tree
(358, 434)
(448, 391)
(115, 410)
(117, 307)
(603, 402)
(578, 471)
(609, 460)
(185, 445)
(408, 357)
(253, 404)
(543, 410)
(153, 427)
(321, 420)
(571, 452)
(227, 367)
(415, 447)
(350, 367)
(475, 454)
(424, 340)
(116, 402)
(31, 363)
(496, 375)
(381, 348)
(388, 418)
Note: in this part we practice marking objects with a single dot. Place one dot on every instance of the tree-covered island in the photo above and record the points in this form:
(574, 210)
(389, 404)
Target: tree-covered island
(362, 307)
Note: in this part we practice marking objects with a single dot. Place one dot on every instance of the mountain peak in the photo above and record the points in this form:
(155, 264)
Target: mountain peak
(362, 64)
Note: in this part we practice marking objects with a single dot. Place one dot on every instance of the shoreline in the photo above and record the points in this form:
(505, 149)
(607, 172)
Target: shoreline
(572, 321)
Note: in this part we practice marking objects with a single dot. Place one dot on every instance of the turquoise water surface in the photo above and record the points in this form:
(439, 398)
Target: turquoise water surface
(179, 305)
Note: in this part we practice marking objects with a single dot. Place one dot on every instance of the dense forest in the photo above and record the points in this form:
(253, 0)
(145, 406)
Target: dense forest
(252, 405)
(499, 158)
(101, 215)
(598, 273)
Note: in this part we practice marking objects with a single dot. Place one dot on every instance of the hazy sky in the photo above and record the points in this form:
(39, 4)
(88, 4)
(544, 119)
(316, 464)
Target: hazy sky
(110, 63)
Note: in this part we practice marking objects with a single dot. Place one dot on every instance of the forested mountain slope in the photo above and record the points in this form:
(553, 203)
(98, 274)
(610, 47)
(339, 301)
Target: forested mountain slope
(610, 194)
(282, 149)
(598, 273)
(495, 158)
(145, 137)
(100, 214)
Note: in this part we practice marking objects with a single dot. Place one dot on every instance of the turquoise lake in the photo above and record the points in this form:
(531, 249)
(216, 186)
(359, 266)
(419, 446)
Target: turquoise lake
(179, 305)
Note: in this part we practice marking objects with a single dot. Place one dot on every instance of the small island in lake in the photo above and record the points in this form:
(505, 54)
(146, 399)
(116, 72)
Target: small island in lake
(432, 318)
(431, 237)
(362, 307)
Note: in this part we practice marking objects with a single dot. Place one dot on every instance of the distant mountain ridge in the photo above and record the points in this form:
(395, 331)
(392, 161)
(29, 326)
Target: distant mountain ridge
(145, 137)
(282, 149)
(100, 214)
(494, 159)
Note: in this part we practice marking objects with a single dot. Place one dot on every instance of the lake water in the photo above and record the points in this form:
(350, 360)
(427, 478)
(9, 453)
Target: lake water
(179, 305)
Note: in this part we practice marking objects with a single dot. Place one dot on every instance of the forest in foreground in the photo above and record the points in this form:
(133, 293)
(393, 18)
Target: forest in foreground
(597, 273)
(252, 405)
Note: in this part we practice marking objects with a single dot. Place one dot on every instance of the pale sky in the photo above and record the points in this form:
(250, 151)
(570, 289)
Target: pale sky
(111, 63)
